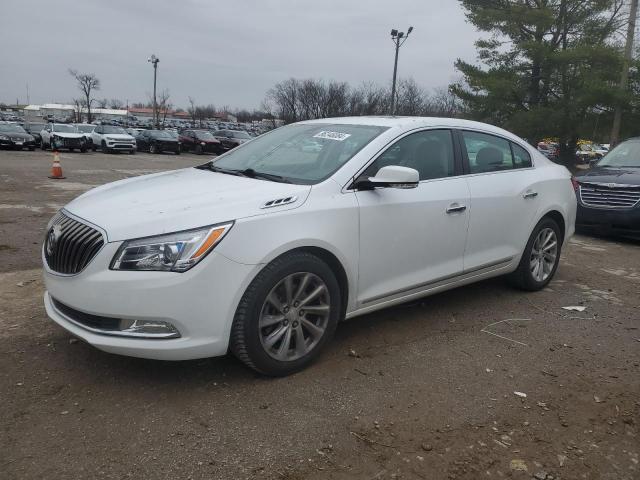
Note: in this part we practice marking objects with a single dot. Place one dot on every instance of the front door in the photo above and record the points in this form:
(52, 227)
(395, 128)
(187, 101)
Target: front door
(410, 238)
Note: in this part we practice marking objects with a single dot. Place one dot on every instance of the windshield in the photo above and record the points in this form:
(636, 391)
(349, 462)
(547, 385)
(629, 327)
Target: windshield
(9, 128)
(110, 129)
(160, 134)
(64, 128)
(85, 128)
(305, 154)
(627, 154)
(204, 136)
(237, 134)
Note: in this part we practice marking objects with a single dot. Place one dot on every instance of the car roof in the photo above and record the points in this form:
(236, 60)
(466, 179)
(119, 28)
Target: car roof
(410, 123)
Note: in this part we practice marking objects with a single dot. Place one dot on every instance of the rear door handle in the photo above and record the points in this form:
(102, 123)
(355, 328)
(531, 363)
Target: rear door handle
(530, 194)
(456, 208)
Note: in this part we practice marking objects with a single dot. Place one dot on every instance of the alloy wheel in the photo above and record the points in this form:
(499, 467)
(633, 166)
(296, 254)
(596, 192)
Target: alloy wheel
(544, 254)
(294, 316)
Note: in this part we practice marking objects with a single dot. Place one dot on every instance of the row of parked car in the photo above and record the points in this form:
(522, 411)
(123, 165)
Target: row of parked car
(110, 138)
(586, 153)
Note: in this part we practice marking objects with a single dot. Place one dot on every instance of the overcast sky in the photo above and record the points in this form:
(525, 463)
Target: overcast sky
(222, 52)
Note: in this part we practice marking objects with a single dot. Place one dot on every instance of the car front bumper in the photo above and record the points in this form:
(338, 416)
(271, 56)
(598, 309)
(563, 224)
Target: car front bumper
(116, 145)
(199, 303)
(603, 220)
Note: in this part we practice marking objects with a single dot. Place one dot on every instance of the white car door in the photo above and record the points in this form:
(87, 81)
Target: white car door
(504, 199)
(411, 238)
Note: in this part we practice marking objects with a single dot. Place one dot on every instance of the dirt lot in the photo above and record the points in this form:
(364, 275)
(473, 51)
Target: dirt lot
(422, 391)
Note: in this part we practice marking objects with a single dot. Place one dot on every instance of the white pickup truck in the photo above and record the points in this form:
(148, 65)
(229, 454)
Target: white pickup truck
(109, 139)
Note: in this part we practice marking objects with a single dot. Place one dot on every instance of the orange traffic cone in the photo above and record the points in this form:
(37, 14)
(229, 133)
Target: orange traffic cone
(56, 169)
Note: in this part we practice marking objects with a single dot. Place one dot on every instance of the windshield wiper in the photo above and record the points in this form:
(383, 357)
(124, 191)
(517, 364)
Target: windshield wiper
(210, 166)
(251, 173)
(247, 172)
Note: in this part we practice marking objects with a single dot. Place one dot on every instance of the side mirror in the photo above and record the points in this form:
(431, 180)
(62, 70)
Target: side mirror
(392, 176)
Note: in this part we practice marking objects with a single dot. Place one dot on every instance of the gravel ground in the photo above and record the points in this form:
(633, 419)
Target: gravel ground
(422, 391)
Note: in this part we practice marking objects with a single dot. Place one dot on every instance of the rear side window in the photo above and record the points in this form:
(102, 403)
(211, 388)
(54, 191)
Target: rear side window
(521, 158)
(487, 153)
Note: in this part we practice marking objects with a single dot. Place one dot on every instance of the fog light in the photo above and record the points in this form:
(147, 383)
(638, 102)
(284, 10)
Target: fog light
(149, 328)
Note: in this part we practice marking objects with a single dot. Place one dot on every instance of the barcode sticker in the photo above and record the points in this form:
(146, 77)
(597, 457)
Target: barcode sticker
(333, 136)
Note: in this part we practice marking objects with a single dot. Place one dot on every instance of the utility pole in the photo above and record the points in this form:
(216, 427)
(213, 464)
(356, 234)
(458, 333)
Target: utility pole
(624, 78)
(154, 61)
(398, 39)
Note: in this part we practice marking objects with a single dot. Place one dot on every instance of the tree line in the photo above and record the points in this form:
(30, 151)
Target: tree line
(294, 99)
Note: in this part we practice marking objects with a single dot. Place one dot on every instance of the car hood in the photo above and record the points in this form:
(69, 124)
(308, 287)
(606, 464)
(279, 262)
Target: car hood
(623, 176)
(67, 135)
(22, 136)
(179, 200)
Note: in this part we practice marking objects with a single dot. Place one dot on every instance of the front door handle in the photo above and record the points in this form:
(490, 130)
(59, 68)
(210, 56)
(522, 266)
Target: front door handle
(530, 194)
(456, 208)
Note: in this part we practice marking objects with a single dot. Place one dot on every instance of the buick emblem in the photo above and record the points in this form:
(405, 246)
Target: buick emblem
(52, 239)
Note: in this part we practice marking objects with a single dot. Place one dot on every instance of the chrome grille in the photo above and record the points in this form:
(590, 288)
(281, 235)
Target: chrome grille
(70, 245)
(609, 195)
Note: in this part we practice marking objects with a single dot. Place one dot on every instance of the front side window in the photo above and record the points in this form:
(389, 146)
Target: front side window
(429, 152)
(487, 153)
(300, 153)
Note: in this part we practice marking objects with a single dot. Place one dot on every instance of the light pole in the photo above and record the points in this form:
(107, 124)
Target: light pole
(154, 61)
(398, 40)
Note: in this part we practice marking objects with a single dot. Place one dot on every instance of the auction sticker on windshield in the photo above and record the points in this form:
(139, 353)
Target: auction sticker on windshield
(332, 135)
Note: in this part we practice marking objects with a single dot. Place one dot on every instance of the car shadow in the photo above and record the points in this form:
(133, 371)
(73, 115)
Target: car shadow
(450, 312)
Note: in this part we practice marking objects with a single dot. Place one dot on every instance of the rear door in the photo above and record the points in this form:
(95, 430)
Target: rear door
(504, 198)
(412, 238)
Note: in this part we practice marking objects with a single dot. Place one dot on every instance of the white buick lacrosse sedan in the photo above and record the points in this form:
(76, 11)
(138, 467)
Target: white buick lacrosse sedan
(263, 250)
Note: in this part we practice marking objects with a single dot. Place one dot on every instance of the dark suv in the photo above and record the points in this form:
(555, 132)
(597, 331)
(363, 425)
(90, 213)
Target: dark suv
(609, 193)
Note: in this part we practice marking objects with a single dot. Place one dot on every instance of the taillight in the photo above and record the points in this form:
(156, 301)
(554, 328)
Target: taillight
(575, 184)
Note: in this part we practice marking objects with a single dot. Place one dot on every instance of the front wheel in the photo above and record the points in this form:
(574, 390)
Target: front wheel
(153, 148)
(287, 315)
(541, 256)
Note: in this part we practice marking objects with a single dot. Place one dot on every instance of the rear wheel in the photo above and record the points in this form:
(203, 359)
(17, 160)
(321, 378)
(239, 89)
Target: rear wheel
(287, 315)
(541, 256)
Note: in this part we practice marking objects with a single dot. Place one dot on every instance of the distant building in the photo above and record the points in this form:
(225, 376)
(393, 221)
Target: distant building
(60, 111)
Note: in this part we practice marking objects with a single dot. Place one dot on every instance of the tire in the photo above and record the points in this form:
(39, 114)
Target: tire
(103, 147)
(83, 149)
(71, 150)
(526, 277)
(198, 150)
(177, 152)
(132, 152)
(153, 149)
(31, 149)
(94, 147)
(247, 341)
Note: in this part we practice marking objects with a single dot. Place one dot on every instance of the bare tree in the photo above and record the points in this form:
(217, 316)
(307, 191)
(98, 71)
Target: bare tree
(192, 109)
(116, 104)
(79, 104)
(87, 83)
(410, 98)
(163, 104)
(102, 103)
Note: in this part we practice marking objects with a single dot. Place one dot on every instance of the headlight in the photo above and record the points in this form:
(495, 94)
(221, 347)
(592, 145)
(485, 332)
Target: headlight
(202, 143)
(4, 137)
(174, 252)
